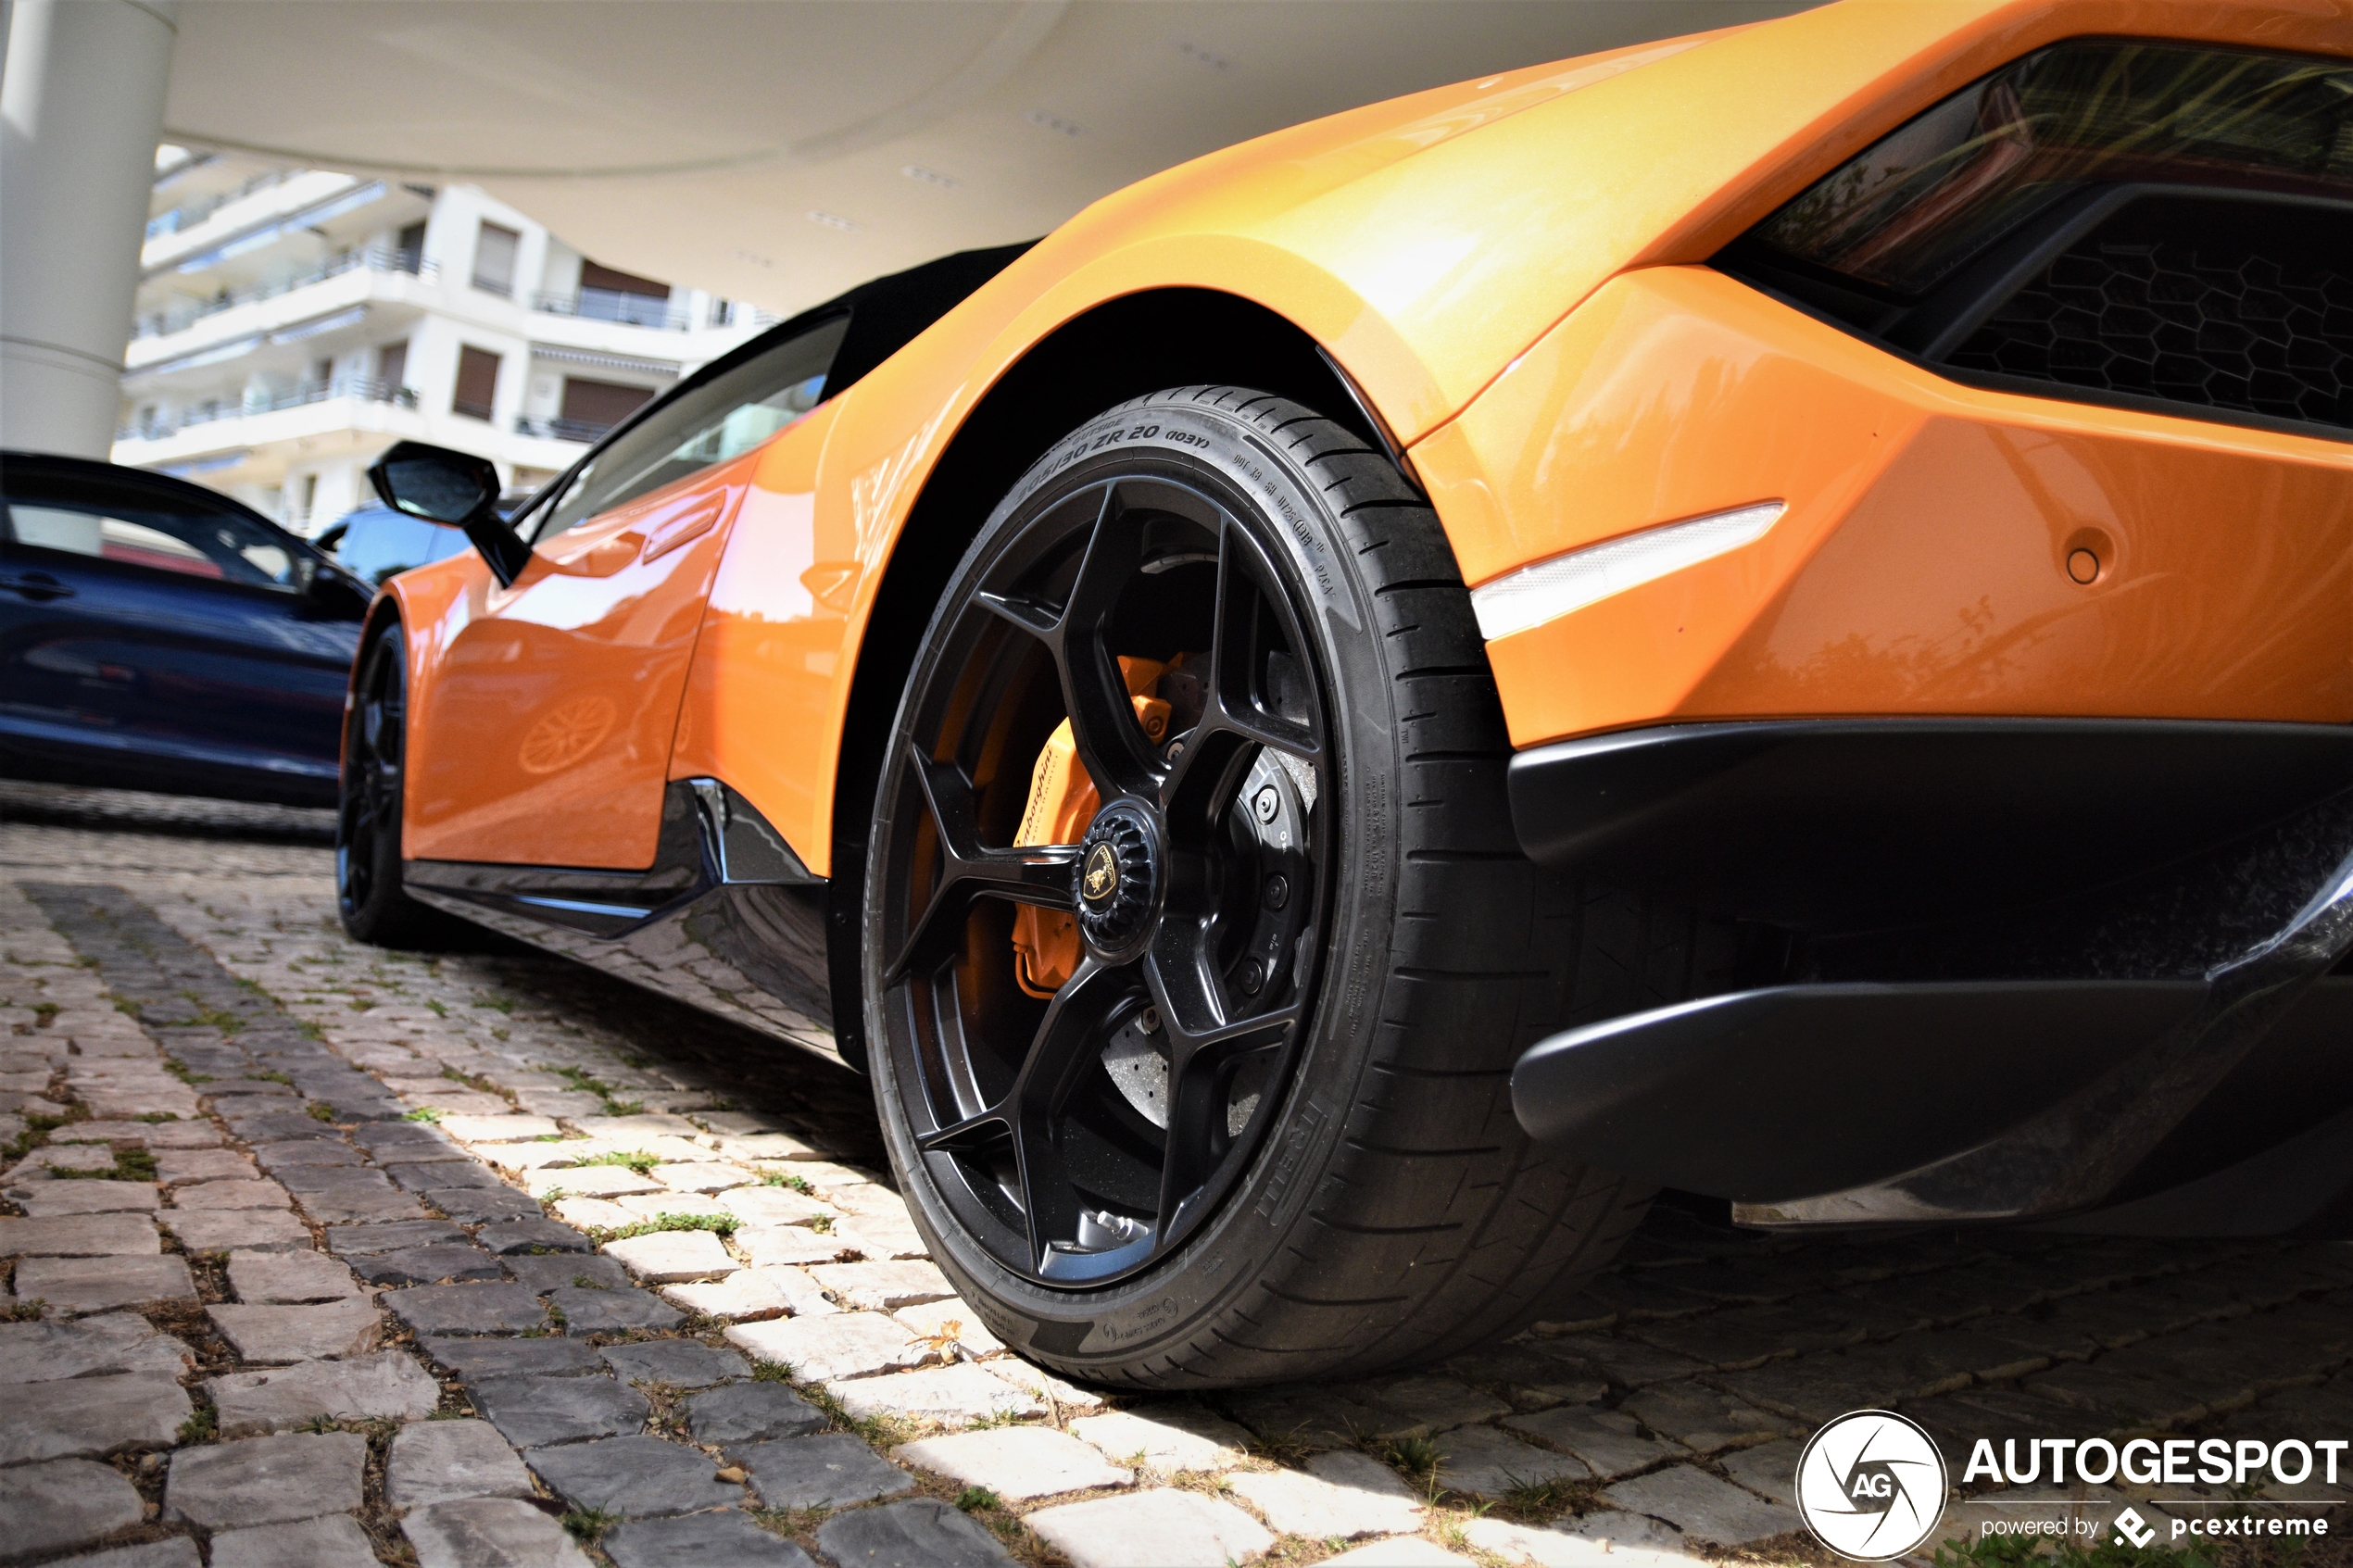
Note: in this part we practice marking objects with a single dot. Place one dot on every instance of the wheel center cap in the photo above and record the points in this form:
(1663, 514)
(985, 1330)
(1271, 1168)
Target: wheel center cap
(1099, 883)
(1117, 880)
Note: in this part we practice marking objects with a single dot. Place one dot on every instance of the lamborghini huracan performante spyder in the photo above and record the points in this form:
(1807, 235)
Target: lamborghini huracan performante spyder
(1767, 615)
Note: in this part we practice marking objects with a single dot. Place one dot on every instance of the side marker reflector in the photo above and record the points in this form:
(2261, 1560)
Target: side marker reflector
(1536, 594)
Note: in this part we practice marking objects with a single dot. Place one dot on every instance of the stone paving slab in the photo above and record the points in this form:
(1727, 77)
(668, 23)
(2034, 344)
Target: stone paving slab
(881, 1288)
(1169, 1438)
(94, 1417)
(474, 1360)
(1347, 1495)
(290, 1279)
(490, 1532)
(588, 1309)
(475, 1206)
(1703, 1507)
(1162, 1526)
(531, 1412)
(335, 1542)
(683, 1363)
(233, 1193)
(954, 1393)
(556, 1270)
(466, 1309)
(449, 1264)
(748, 1413)
(117, 1342)
(445, 1461)
(388, 1385)
(172, 1551)
(1019, 1462)
(41, 1200)
(278, 1335)
(918, 1533)
(78, 1235)
(1607, 1442)
(251, 1230)
(1490, 1463)
(532, 1236)
(352, 1241)
(177, 1166)
(62, 1503)
(76, 1286)
(675, 1256)
(832, 1470)
(721, 1538)
(264, 1480)
(635, 1477)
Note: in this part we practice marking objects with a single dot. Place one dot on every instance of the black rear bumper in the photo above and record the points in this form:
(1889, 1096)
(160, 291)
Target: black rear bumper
(2029, 968)
(1849, 823)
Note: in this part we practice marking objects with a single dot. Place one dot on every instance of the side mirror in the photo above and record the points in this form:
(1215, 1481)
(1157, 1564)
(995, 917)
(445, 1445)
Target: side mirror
(456, 489)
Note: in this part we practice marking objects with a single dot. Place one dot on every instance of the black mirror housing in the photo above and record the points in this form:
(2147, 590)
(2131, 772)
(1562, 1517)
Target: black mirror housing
(435, 483)
(456, 489)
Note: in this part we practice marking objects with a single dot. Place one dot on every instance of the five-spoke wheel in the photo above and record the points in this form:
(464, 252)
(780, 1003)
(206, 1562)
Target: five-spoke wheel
(1081, 1135)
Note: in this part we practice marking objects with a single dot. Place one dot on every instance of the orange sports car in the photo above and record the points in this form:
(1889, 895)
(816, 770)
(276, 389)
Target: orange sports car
(1767, 615)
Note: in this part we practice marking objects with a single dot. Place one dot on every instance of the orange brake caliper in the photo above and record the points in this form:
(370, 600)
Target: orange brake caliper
(1062, 802)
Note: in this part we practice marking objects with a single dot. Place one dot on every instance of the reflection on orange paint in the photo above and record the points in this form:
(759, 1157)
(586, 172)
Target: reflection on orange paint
(1922, 565)
(570, 732)
(771, 654)
(545, 736)
(1062, 800)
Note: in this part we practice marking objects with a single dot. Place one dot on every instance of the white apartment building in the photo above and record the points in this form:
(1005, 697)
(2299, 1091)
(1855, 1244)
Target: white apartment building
(295, 322)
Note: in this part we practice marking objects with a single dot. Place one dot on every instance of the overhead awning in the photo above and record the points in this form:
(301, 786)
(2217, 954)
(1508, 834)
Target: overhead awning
(602, 361)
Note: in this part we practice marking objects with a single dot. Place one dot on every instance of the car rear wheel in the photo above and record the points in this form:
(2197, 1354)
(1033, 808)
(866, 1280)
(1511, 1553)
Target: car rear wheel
(1197, 948)
(368, 890)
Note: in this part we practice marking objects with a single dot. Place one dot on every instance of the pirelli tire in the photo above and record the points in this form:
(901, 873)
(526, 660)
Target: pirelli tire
(1392, 1213)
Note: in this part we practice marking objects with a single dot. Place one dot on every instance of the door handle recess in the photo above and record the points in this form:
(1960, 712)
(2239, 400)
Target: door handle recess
(669, 536)
(35, 586)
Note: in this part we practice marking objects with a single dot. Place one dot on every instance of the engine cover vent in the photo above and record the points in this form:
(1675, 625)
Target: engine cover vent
(2255, 316)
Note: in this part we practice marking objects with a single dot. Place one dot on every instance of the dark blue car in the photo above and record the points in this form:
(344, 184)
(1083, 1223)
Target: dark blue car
(155, 634)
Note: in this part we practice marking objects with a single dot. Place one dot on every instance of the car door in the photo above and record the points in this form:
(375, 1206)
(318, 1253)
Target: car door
(545, 735)
(155, 634)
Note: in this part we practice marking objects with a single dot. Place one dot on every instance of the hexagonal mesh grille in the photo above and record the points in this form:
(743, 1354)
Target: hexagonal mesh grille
(2222, 322)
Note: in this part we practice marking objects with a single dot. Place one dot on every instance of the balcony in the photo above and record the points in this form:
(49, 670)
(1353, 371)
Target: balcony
(362, 389)
(560, 430)
(611, 305)
(375, 259)
(187, 215)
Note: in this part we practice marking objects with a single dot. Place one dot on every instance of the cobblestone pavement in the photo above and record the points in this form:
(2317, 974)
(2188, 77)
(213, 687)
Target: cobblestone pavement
(321, 1255)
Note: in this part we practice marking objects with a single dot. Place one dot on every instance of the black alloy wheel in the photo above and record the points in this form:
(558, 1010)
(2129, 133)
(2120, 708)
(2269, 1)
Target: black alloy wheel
(1203, 1080)
(368, 886)
(1082, 1138)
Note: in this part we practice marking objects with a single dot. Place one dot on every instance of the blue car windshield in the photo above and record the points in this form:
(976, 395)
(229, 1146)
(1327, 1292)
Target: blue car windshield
(377, 543)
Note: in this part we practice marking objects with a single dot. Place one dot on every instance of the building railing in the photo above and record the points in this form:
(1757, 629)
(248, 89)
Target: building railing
(366, 389)
(375, 259)
(187, 215)
(611, 304)
(560, 430)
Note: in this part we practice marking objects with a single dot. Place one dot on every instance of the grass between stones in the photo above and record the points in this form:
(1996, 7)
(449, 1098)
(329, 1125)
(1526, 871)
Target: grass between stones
(37, 1128)
(718, 1224)
(586, 1523)
(132, 1163)
(632, 1159)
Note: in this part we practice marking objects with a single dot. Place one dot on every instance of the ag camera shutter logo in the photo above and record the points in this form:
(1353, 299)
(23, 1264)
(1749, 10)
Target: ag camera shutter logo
(1871, 1485)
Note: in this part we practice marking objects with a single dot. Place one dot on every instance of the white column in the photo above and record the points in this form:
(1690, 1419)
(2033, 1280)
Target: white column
(80, 109)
